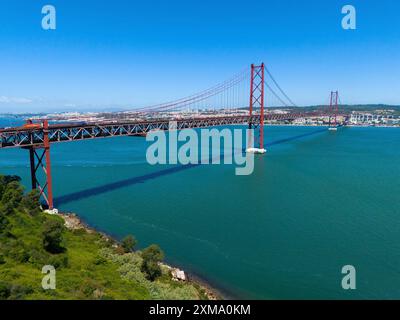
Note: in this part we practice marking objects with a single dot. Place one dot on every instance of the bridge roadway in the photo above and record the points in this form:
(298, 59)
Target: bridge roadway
(34, 136)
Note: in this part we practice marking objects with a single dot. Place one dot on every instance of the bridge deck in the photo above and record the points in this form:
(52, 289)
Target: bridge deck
(21, 137)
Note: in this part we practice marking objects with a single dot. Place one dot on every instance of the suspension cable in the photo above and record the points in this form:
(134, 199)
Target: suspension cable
(279, 87)
(275, 94)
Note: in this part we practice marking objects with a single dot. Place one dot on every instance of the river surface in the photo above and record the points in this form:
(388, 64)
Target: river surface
(317, 201)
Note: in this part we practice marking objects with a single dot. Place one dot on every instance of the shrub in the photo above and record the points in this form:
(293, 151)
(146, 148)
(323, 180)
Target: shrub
(99, 260)
(153, 253)
(14, 292)
(38, 257)
(31, 202)
(128, 243)
(59, 261)
(3, 222)
(12, 196)
(151, 257)
(16, 250)
(20, 255)
(5, 180)
(53, 236)
(19, 292)
(5, 290)
(119, 250)
(91, 289)
(151, 269)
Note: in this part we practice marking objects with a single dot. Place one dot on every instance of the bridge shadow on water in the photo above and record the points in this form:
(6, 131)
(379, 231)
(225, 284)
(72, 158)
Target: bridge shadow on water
(91, 192)
(296, 137)
(109, 187)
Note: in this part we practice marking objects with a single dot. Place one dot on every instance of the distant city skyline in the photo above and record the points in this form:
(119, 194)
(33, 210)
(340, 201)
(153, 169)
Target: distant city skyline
(106, 56)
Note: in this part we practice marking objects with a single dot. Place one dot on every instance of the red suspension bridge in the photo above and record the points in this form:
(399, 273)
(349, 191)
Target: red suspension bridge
(225, 97)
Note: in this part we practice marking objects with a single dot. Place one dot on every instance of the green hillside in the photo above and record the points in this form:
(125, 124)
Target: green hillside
(88, 265)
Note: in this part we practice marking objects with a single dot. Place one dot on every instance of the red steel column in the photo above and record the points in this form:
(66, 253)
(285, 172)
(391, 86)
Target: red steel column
(336, 106)
(251, 94)
(334, 109)
(331, 108)
(257, 99)
(48, 164)
(262, 108)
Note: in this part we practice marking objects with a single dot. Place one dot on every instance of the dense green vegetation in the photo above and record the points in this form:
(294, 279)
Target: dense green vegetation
(128, 243)
(88, 264)
(150, 265)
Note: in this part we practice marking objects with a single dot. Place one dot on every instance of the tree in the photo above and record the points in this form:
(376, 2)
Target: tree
(153, 252)
(128, 243)
(4, 223)
(12, 196)
(8, 179)
(152, 255)
(53, 236)
(31, 202)
(5, 180)
(151, 269)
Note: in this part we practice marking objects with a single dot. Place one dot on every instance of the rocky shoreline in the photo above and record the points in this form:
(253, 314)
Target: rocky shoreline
(73, 222)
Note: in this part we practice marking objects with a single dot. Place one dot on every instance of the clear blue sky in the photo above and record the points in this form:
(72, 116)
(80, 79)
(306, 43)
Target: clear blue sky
(135, 53)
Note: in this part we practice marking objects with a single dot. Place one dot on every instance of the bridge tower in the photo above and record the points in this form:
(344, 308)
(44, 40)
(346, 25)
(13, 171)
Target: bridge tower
(333, 110)
(40, 160)
(257, 81)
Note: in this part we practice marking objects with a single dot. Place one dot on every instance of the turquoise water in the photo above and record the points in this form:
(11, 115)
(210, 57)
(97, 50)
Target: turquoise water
(317, 201)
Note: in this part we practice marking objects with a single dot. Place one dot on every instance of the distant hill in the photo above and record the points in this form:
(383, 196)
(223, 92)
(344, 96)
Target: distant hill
(355, 107)
(373, 108)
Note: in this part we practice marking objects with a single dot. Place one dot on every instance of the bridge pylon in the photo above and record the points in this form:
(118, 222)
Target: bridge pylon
(39, 156)
(257, 81)
(333, 110)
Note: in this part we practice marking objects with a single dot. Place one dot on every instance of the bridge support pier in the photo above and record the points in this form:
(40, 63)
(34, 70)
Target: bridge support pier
(333, 110)
(257, 81)
(40, 160)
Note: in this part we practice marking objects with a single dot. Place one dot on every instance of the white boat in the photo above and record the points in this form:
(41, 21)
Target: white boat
(256, 150)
